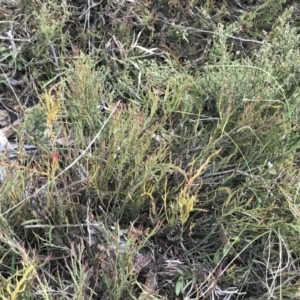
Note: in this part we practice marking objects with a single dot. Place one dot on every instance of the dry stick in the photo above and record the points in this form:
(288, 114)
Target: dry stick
(12, 39)
(88, 221)
(69, 166)
(9, 84)
(100, 225)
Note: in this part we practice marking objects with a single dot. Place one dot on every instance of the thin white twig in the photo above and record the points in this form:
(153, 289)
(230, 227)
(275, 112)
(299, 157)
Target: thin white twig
(207, 31)
(12, 42)
(12, 39)
(54, 54)
(88, 221)
(100, 225)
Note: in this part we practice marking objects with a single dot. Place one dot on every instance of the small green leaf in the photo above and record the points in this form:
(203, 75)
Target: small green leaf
(178, 287)
(11, 62)
(19, 66)
(272, 171)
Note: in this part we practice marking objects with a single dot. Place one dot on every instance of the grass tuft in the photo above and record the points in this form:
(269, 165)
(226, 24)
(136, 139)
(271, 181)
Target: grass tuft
(155, 150)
